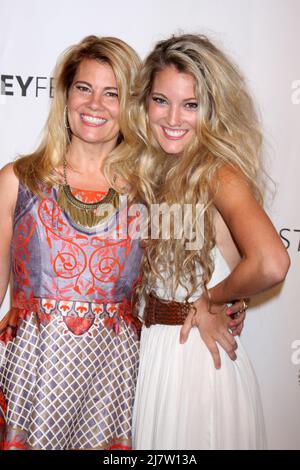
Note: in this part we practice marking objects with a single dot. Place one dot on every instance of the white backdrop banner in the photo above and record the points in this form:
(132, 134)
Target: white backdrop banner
(263, 37)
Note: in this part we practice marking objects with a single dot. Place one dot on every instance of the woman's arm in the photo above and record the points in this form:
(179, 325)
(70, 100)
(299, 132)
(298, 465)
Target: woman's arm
(8, 197)
(225, 242)
(264, 259)
(264, 262)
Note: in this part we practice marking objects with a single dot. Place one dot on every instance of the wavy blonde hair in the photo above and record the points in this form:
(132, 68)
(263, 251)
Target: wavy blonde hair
(228, 133)
(39, 166)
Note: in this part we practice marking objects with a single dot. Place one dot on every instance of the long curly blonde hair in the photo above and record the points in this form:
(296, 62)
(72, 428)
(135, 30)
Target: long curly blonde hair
(39, 166)
(228, 133)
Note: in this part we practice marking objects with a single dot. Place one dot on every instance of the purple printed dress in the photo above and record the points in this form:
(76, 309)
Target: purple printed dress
(69, 345)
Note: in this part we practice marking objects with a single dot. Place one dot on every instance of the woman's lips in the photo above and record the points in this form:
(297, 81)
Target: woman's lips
(174, 134)
(93, 121)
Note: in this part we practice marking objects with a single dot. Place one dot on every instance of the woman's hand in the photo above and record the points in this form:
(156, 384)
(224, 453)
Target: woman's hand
(237, 314)
(236, 311)
(215, 326)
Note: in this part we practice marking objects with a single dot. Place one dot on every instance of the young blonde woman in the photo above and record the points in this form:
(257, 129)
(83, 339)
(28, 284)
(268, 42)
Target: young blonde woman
(69, 348)
(199, 142)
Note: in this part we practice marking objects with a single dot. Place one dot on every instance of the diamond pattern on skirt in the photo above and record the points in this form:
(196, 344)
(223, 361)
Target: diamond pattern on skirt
(18, 373)
(67, 391)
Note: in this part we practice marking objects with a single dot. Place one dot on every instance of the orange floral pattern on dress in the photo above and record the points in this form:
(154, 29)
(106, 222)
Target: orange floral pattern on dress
(98, 256)
(89, 197)
(21, 252)
(3, 411)
(17, 443)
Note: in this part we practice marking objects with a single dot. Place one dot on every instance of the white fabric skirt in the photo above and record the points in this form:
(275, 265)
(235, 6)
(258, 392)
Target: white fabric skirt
(182, 402)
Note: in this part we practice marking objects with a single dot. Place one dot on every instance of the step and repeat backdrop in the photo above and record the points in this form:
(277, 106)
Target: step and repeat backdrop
(263, 36)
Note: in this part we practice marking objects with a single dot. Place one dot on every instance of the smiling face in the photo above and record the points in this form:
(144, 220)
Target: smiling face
(172, 109)
(93, 104)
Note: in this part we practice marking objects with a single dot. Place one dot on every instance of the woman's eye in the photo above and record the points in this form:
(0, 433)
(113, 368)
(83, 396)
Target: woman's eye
(83, 88)
(191, 105)
(112, 94)
(158, 100)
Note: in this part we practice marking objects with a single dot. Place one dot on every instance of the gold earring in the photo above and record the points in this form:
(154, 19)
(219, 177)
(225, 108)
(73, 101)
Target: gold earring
(66, 122)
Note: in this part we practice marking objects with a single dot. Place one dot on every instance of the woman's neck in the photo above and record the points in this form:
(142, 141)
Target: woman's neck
(85, 167)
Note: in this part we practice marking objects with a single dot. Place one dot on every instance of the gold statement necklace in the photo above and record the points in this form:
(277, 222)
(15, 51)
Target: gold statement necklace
(86, 214)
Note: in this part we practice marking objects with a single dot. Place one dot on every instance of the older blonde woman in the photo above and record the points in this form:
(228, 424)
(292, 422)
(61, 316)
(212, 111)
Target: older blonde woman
(70, 349)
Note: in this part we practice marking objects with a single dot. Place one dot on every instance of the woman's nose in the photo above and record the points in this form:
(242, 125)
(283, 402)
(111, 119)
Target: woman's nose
(174, 116)
(96, 101)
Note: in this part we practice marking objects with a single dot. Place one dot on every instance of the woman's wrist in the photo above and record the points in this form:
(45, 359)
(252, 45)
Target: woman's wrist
(202, 303)
(208, 296)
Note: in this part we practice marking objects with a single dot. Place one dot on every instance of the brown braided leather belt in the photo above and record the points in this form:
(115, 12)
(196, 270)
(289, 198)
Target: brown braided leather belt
(165, 312)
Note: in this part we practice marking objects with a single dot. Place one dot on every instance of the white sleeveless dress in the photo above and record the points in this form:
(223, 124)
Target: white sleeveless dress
(182, 402)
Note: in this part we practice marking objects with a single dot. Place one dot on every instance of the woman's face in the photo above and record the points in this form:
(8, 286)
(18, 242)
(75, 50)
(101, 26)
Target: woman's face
(172, 109)
(93, 104)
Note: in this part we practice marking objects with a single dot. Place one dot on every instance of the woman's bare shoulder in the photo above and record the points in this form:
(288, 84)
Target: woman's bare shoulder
(9, 184)
(7, 173)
